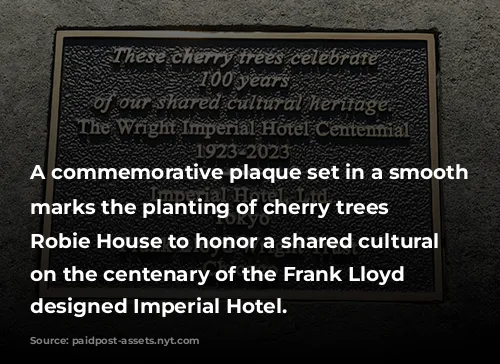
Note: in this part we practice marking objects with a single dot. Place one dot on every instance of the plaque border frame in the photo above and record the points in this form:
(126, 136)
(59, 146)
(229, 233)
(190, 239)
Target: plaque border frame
(287, 295)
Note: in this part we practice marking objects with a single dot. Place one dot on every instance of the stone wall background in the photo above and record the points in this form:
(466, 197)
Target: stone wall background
(469, 50)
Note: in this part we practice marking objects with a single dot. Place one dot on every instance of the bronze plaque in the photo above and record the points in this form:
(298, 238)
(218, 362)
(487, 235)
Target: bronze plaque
(170, 99)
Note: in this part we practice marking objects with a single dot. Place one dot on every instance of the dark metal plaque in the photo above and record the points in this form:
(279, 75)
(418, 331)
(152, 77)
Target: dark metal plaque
(160, 99)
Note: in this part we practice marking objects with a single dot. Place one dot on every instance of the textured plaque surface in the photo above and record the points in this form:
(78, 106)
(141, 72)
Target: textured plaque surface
(394, 71)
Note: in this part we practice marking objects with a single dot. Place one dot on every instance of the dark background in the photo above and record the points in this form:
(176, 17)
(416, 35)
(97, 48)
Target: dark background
(468, 116)
(400, 78)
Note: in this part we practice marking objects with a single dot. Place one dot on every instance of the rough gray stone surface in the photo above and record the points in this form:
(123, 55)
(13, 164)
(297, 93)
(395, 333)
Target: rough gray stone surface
(469, 50)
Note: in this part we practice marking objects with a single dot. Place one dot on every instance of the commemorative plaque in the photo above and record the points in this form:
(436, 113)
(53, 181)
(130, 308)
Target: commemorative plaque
(170, 99)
